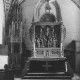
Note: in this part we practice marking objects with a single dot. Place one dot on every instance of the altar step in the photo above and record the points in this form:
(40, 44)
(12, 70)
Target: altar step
(60, 75)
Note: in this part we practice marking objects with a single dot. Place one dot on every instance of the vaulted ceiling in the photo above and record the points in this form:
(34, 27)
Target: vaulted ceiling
(8, 2)
(77, 2)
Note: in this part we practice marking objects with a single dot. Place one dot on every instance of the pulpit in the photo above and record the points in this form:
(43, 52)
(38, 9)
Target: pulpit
(47, 60)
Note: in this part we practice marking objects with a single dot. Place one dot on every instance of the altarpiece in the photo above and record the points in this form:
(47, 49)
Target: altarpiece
(47, 34)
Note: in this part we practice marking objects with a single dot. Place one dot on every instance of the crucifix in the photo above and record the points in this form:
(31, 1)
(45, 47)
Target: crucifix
(47, 66)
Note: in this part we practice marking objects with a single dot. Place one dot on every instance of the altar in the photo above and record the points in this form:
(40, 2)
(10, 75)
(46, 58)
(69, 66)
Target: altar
(40, 68)
(47, 35)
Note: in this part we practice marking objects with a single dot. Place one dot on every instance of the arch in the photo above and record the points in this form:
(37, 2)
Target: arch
(55, 9)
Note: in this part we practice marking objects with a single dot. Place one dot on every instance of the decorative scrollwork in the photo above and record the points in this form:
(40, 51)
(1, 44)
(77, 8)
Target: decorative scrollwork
(63, 32)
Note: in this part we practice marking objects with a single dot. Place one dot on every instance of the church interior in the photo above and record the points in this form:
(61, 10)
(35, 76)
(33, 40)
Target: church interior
(40, 39)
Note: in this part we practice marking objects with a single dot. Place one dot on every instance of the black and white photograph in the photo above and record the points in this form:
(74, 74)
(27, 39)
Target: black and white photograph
(39, 39)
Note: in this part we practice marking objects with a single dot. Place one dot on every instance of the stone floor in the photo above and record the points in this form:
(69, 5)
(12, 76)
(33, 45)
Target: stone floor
(76, 77)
